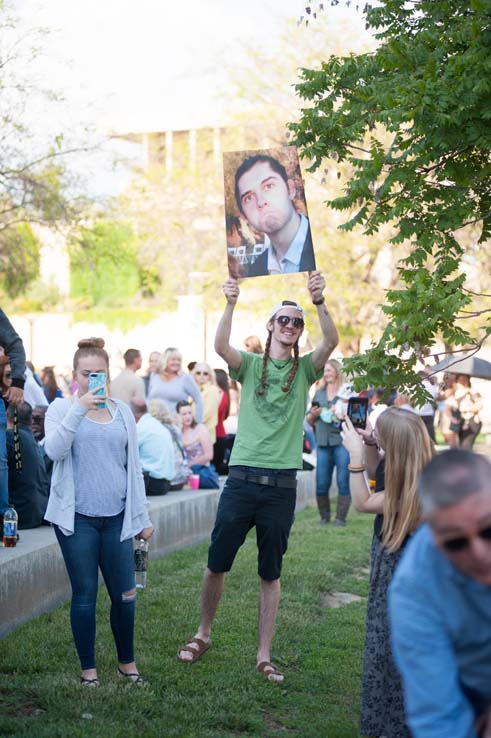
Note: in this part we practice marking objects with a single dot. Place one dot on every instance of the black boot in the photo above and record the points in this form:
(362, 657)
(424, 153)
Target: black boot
(324, 505)
(344, 502)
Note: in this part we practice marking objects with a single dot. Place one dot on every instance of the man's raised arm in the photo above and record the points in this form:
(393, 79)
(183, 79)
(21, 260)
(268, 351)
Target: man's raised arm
(222, 338)
(330, 337)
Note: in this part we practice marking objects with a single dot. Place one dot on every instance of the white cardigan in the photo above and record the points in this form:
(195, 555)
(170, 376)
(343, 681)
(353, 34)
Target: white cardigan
(62, 421)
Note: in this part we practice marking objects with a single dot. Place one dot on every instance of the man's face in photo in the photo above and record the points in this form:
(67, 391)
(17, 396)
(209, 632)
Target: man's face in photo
(266, 199)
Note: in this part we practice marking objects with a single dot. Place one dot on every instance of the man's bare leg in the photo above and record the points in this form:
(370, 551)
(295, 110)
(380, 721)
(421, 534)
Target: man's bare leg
(269, 599)
(211, 594)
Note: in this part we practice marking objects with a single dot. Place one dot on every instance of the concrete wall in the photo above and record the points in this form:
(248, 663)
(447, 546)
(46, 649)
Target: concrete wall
(33, 578)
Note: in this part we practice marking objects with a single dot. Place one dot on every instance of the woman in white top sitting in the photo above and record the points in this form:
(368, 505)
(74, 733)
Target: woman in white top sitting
(97, 505)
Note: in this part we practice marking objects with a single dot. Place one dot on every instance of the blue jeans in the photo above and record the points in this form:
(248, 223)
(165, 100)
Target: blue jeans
(329, 457)
(95, 543)
(4, 472)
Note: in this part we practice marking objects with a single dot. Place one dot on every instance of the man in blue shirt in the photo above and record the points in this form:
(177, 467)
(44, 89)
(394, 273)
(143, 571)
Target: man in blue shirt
(155, 448)
(440, 602)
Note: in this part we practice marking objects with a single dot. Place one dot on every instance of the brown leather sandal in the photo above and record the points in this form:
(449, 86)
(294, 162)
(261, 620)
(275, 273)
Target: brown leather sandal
(267, 669)
(196, 652)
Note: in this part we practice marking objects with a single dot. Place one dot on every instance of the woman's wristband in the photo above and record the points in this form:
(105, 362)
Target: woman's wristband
(356, 469)
(319, 302)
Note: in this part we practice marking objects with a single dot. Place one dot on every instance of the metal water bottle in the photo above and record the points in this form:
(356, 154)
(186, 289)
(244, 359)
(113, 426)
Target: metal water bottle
(141, 562)
(10, 520)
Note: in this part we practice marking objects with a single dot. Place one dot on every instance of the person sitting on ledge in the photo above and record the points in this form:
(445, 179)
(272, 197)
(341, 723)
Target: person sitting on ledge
(155, 449)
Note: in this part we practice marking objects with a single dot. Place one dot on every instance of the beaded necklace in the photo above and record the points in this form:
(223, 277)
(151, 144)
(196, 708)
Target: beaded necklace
(282, 366)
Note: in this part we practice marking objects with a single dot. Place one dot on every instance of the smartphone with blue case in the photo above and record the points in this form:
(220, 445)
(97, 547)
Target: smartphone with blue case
(98, 380)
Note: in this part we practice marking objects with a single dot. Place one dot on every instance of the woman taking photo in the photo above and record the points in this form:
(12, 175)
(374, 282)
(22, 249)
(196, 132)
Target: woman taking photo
(172, 385)
(97, 505)
(403, 437)
(198, 447)
(325, 414)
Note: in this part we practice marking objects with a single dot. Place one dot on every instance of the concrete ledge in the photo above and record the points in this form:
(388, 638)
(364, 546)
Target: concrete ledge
(33, 578)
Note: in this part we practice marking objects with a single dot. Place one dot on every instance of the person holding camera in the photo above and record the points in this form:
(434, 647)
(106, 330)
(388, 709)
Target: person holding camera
(394, 454)
(97, 505)
(326, 413)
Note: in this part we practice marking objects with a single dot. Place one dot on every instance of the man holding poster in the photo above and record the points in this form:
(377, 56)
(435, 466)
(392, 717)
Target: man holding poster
(260, 490)
(265, 196)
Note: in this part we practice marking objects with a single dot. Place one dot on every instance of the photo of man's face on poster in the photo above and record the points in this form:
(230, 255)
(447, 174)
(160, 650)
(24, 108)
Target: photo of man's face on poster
(268, 230)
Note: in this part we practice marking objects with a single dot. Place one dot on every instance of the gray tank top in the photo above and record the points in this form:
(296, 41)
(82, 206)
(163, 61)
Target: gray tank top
(99, 454)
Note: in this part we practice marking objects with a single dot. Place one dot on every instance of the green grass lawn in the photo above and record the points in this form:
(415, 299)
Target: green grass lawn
(220, 696)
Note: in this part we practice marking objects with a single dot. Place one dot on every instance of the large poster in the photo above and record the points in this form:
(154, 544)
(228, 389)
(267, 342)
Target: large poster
(267, 224)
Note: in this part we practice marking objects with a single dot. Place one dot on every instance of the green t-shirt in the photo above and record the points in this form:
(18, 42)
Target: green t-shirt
(270, 427)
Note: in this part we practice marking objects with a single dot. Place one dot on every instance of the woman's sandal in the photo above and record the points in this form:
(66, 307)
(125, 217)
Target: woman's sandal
(133, 678)
(268, 670)
(90, 682)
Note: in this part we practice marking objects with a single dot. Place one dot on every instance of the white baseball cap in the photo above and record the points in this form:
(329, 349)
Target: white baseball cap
(285, 304)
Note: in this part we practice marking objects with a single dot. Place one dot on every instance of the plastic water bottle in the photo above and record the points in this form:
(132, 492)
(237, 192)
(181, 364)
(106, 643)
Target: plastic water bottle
(141, 562)
(10, 520)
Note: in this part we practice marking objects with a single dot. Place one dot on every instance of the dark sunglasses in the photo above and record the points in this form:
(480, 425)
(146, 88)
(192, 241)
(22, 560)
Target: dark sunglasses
(284, 320)
(463, 542)
(7, 375)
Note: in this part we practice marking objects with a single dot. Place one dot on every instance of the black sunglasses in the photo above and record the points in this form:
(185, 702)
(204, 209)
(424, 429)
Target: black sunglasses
(284, 320)
(461, 543)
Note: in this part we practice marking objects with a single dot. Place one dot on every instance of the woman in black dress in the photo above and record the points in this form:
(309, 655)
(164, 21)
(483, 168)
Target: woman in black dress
(394, 455)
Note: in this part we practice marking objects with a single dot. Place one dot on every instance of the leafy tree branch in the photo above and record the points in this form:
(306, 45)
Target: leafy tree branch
(411, 119)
